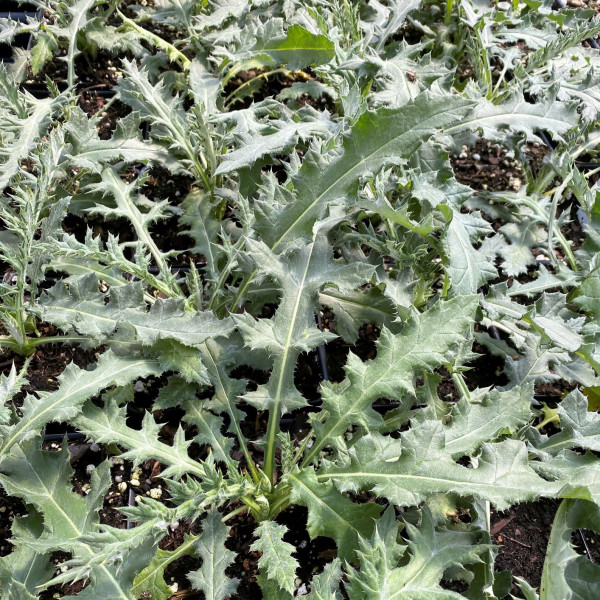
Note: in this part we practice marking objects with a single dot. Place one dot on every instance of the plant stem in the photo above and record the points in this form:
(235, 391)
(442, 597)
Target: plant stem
(552, 227)
(448, 15)
(461, 385)
(173, 53)
(235, 512)
(253, 79)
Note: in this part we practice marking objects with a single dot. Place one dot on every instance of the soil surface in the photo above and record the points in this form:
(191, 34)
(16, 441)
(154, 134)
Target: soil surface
(522, 536)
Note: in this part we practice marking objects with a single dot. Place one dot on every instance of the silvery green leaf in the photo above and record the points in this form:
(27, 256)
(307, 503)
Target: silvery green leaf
(325, 585)
(211, 578)
(151, 579)
(276, 561)
(108, 426)
(566, 573)
(472, 423)
(81, 307)
(88, 151)
(468, 268)
(332, 514)
(76, 386)
(431, 553)
(386, 135)
(516, 116)
(22, 571)
(406, 472)
(25, 121)
(425, 341)
(353, 309)
(579, 427)
(71, 521)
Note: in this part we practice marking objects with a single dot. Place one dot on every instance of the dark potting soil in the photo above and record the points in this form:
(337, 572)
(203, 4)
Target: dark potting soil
(486, 166)
(94, 73)
(48, 362)
(522, 535)
(92, 103)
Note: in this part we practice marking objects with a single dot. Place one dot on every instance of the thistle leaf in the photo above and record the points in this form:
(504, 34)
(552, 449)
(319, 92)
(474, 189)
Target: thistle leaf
(76, 386)
(425, 342)
(108, 425)
(386, 135)
(276, 560)
(71, 521)
(407, 471)
(81, 307)
(211, 578)
(151, 579)
(431, 553)
(332, 514)
(298, 49)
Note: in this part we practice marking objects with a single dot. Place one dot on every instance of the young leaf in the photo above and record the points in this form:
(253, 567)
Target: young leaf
(151, 579)
(276, 560)
(579, 428)
(211, 578)
(325, 585)
(108, 425)
(292, 330)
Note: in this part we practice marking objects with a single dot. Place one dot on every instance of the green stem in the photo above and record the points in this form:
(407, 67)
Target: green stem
(235, 512)
(172, 52)
(461, 385)
(448, 15)
(552, 220)
(253, 506)
(27, 348)
(279, 505)
(253, 79)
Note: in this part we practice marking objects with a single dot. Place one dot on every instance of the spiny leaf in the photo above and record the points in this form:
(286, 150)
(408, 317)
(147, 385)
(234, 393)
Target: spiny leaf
(376, 139)
(276, 559)
(496, 122)
(76, 386)
(431, 553)
(71, 521)
(80, 307)
(151, 579)
(355, 308)
(108, 425)
(474, 422)
(332, 514)
(407, 471)
(88, 151)
(425, 342)
(22, 571)
(579, 428)
(292, 330)
(211, 578)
